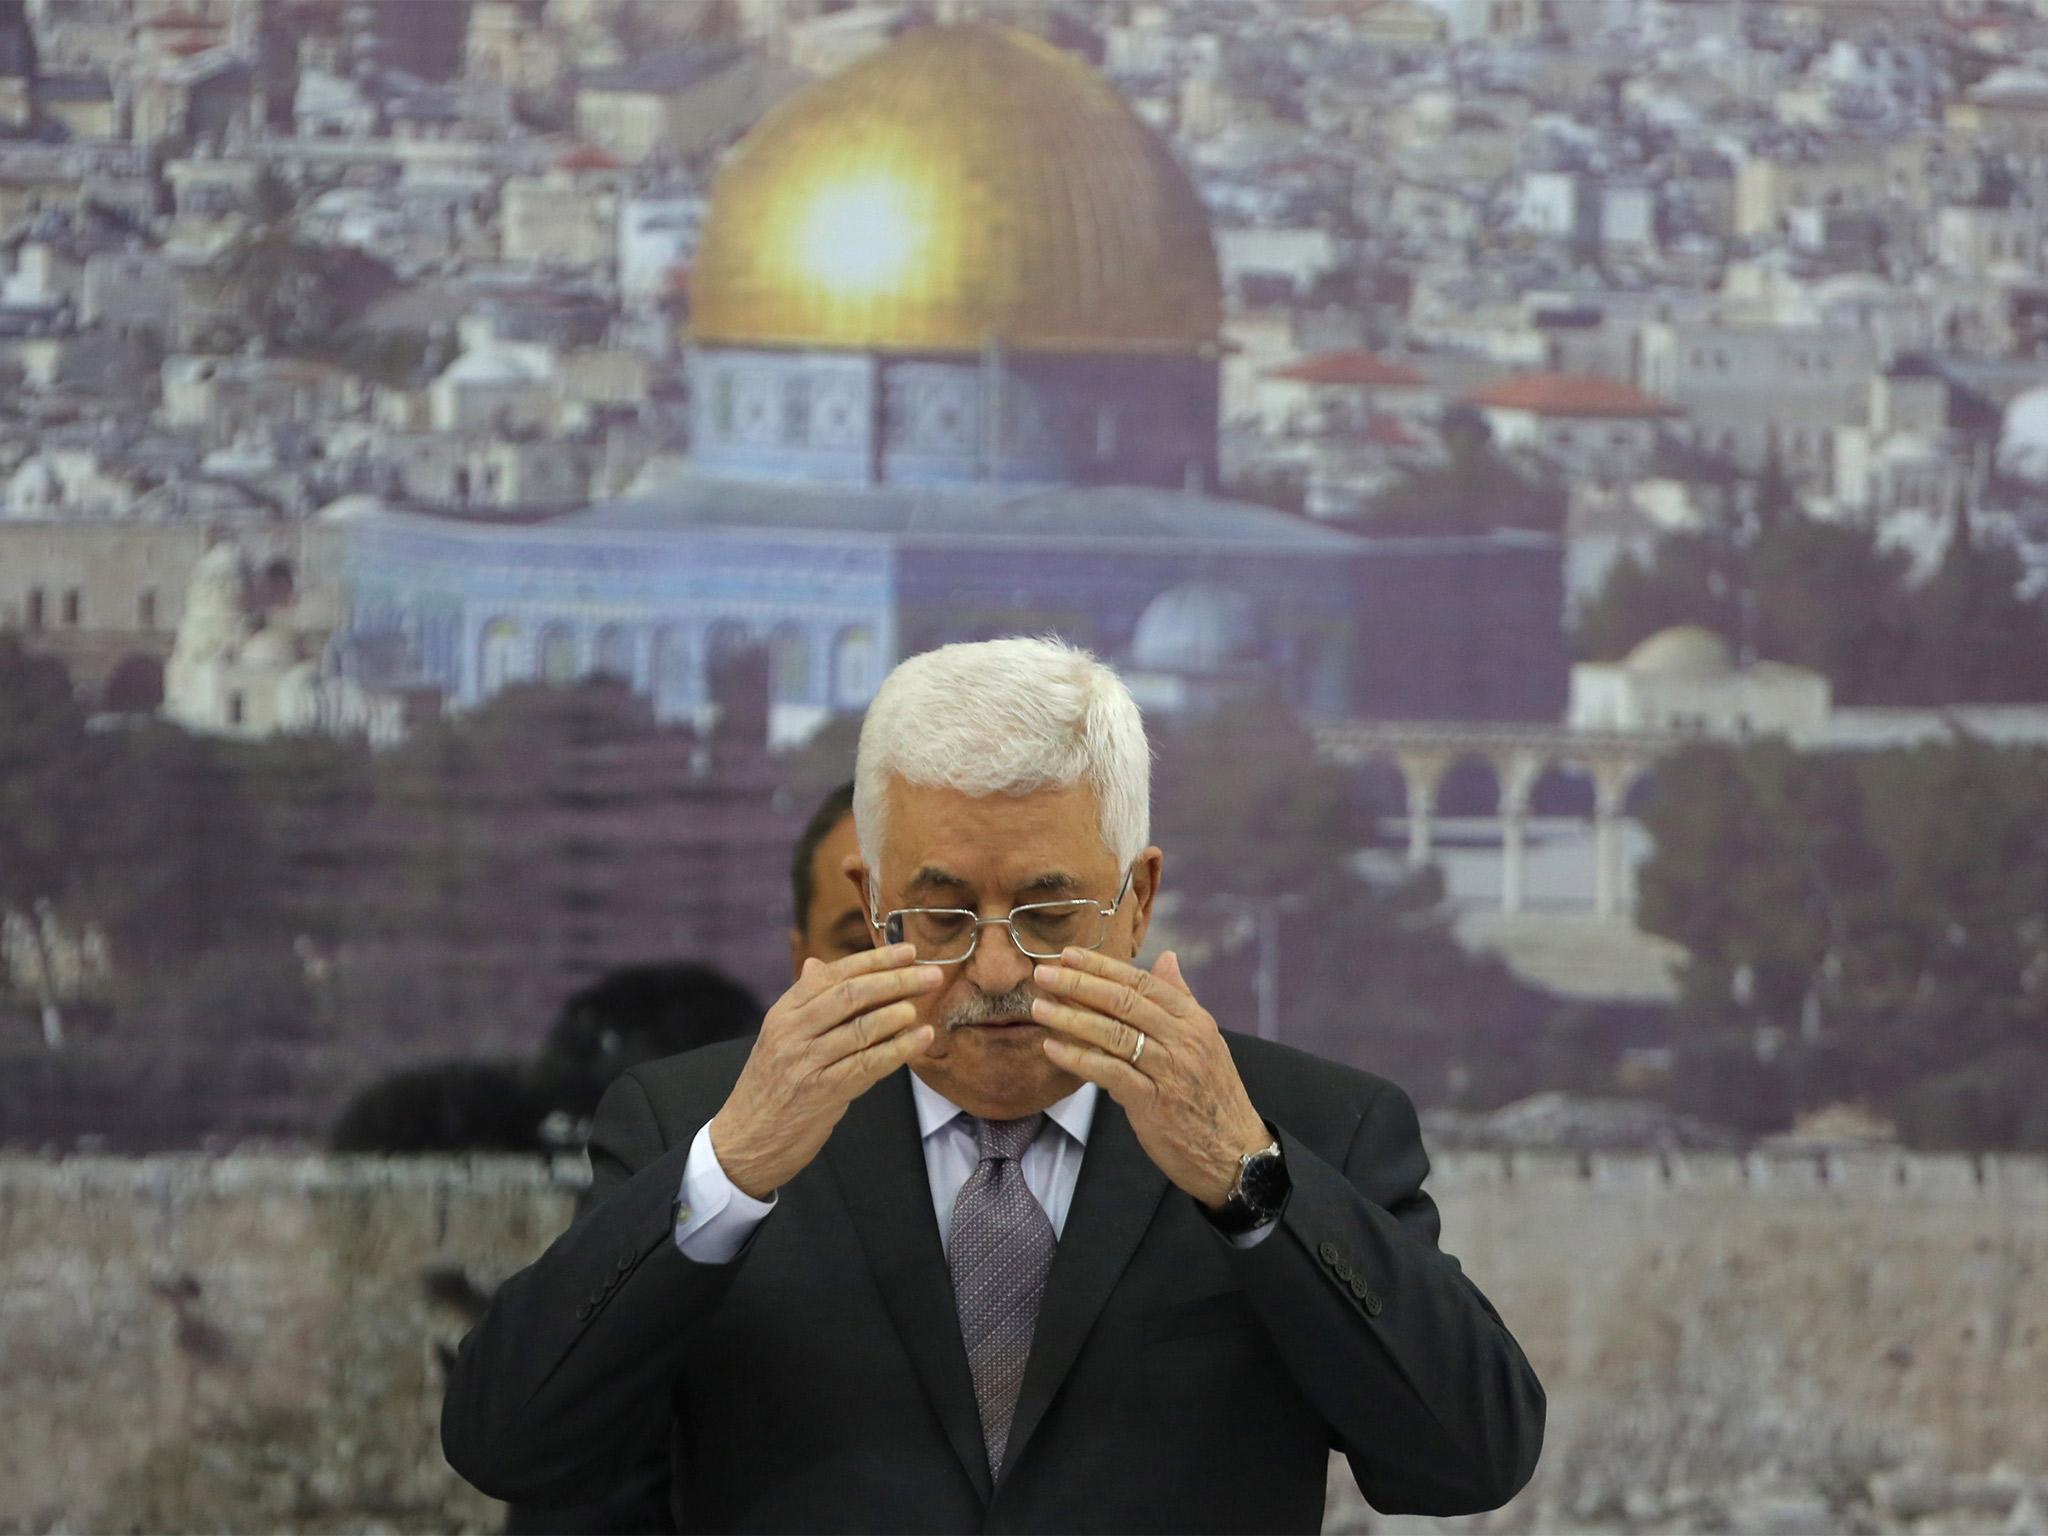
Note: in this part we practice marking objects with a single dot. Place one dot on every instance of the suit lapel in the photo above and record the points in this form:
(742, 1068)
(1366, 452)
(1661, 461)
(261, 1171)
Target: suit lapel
(1114, 1199)
(877, 1158)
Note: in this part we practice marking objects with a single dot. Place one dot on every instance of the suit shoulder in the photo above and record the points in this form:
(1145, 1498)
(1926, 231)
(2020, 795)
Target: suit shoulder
(1302, 1086)
(691, 1086)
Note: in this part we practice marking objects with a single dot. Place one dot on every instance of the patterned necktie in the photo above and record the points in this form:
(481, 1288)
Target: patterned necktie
(1000, 1249)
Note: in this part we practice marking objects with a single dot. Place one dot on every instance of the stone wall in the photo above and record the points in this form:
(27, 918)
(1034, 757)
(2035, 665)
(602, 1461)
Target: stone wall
(254, 1343)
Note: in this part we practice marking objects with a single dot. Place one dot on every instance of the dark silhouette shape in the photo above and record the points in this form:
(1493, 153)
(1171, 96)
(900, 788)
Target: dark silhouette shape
(634, 1014)
(447, 1106)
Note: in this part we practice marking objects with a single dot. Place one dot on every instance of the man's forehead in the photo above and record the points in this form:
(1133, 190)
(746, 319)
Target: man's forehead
(1049, 878)
(1041, 839)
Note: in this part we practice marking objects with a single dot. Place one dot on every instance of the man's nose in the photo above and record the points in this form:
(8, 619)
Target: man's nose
(997, 964)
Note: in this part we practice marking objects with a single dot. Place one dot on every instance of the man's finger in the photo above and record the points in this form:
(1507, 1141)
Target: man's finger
(821, 975)
(1117, 998)
(1111, 1036)
(860, 994)
(1119, 1079)
(862, 1031)
(859, 1072)
(1093, 962)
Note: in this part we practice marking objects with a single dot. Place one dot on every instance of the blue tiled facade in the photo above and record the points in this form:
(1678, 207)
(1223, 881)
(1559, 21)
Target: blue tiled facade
(841, 584)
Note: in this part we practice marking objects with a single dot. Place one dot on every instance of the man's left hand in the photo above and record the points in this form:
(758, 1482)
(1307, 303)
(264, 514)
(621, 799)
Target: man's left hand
(1184, 1098)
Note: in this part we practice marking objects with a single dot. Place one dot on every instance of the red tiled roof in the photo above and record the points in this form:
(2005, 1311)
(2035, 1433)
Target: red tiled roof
(587, 157)
(1569, 394)
(1386, 432)
(1348, 365)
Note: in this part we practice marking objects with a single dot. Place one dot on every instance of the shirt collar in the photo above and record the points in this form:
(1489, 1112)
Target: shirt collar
(1074, 1114)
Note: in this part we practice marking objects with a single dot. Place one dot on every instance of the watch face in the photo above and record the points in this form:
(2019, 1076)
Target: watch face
(1264, 1183)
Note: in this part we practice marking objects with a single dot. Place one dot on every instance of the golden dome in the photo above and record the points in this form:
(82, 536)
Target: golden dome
(966, 184)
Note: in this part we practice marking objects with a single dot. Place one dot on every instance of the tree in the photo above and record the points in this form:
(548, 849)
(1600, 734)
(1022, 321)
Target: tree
(1975, 637)
(1689, 578)
(1760, 859)
(46, 770)
(1262, 833)
(1826, 595)
(1478, 490)
(1856, 924)
(293, 295)
(179, 865)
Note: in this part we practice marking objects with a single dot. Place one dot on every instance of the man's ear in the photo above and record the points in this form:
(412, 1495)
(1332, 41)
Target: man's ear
(1144, 891)
(856, 870)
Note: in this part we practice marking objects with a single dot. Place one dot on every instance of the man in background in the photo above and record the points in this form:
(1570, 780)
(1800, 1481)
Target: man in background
(827, 920)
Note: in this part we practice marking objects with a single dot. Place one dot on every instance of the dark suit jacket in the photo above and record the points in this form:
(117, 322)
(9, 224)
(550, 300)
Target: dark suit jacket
(1176, 1383)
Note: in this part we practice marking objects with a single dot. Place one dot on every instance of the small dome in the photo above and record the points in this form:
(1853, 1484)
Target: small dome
(1198, 629)
(1685, 650)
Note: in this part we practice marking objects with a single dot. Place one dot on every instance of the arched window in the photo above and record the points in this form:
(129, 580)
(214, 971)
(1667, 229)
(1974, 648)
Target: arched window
(668, 666)
(497, 661)
(853, 667)
(790, 658)
(557, 654)
(615, 652)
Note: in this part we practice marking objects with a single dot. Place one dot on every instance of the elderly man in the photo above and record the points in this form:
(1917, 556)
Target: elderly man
(1090, 1264)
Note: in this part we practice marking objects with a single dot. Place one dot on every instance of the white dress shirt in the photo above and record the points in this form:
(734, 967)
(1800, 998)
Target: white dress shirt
(715, 1218)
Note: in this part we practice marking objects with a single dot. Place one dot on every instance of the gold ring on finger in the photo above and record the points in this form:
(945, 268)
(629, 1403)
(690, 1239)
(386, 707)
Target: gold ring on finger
(1138, 1049)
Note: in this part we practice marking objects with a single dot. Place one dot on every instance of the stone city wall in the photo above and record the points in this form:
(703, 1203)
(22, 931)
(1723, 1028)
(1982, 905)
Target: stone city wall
(1781, 1345)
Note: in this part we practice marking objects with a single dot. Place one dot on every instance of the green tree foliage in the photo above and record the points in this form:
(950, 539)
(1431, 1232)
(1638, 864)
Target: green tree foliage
(1261, 831)
(1688, 578)
(1828, 596)
(292, 294)
(1883, 917)
(46, 772)
(1478, 490)
(1975, 636)
(1760, 858)
(176, 861)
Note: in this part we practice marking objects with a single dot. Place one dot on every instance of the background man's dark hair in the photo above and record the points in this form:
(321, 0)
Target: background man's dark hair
(835, 805)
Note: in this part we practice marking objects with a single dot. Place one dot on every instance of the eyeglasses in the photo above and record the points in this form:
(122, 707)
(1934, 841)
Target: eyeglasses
(1041, 929)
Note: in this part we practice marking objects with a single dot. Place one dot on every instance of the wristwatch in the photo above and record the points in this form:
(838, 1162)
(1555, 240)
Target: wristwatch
(1261, 1191)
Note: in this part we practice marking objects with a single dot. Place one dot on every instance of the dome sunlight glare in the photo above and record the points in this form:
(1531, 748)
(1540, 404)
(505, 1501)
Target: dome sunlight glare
(860, 236)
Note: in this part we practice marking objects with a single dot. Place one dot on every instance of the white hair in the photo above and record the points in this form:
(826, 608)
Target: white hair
(1007, 717)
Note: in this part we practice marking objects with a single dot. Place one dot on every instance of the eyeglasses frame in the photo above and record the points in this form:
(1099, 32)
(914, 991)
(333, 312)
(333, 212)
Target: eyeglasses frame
(1008, 922)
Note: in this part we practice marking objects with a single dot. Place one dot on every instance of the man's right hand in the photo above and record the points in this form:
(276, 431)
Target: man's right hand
(839, 1030)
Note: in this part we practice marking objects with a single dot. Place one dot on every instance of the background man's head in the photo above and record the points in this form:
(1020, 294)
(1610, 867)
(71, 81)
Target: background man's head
(638, 1013)
(827, 921)
(992, 775)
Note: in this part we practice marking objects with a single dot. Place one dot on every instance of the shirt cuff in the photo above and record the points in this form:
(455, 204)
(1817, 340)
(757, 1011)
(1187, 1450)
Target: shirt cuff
(1250, 1239)
(714, 1216)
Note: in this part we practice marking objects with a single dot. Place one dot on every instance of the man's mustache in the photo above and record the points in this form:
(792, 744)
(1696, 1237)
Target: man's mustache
(980, 1008)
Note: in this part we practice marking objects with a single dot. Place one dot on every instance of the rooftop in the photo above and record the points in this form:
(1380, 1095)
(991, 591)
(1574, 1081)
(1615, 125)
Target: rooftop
(1348, 365)
(1570, 394)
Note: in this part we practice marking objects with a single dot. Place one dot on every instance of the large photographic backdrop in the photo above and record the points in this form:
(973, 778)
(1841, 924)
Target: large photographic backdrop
(1567, 481)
